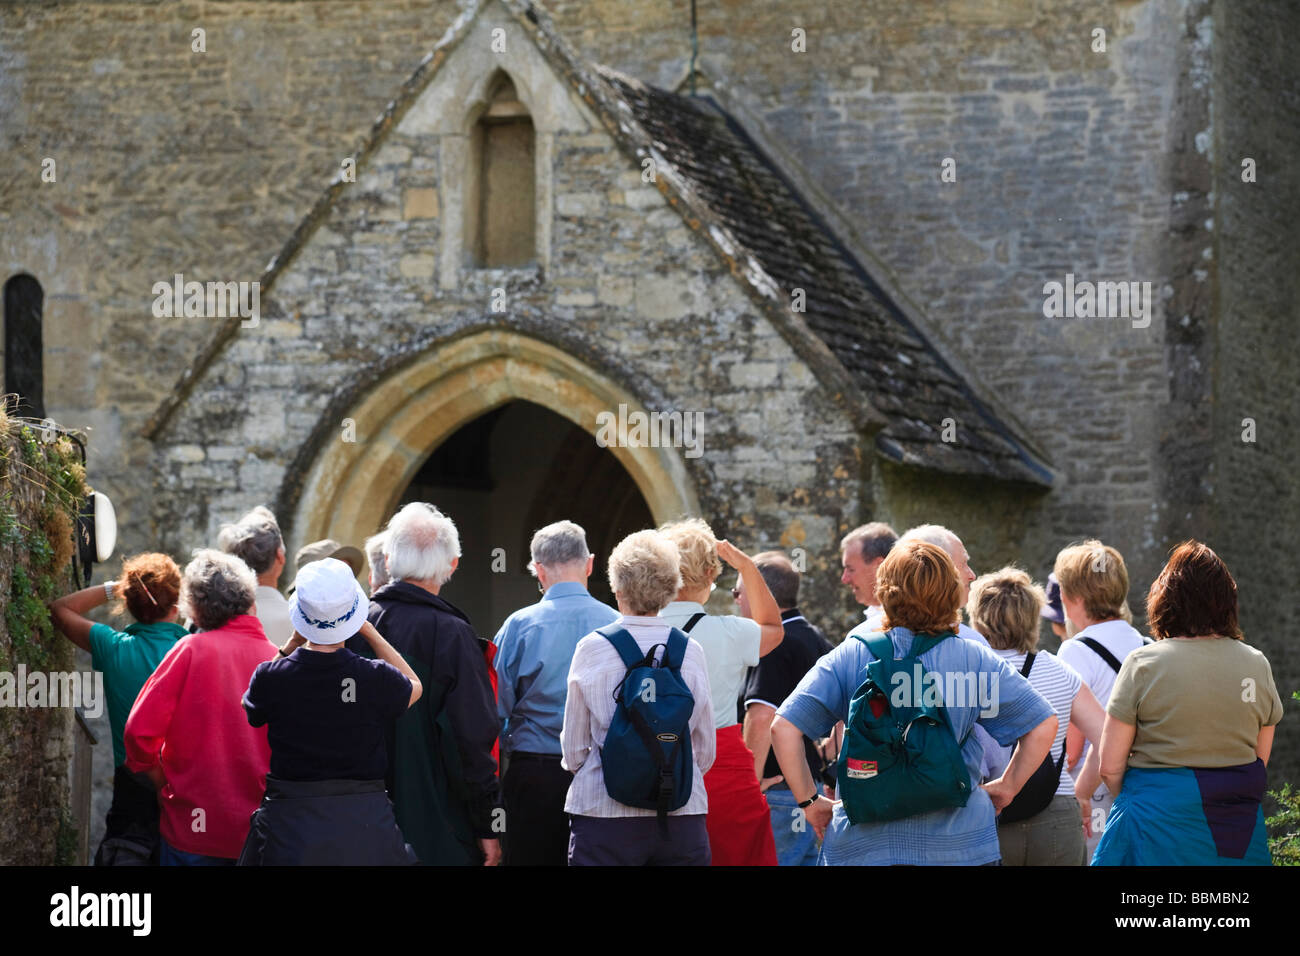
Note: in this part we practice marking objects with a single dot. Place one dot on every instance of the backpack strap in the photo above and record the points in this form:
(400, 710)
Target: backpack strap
(927, 642)
(623, 643)
(695, 619)
(1101, 652)
(675, 649)
(1028, 665)
(881, 646)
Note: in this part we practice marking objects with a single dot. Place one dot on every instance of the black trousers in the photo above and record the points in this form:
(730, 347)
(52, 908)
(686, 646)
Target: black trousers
(537, 828)
(131, 827)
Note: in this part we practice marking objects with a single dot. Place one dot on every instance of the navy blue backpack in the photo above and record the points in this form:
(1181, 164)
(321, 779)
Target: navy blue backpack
(647, 758)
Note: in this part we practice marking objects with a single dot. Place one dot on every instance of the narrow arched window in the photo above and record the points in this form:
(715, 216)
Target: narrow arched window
(501, 215)
(24, 302)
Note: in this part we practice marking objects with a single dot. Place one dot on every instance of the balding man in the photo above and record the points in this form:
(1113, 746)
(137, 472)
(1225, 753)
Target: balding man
(534, 650)
(861, 552)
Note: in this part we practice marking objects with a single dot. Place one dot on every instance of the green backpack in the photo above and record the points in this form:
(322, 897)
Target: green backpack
(899, 761)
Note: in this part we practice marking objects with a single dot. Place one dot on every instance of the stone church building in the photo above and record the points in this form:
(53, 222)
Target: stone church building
(825, 237)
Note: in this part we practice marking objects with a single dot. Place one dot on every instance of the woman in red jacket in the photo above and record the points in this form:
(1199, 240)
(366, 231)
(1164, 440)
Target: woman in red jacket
(187, 731)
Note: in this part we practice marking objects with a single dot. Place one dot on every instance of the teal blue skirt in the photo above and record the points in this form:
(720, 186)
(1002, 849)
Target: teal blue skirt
(1184, 816)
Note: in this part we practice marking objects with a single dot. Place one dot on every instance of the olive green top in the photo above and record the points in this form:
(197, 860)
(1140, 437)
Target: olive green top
(1196, 702)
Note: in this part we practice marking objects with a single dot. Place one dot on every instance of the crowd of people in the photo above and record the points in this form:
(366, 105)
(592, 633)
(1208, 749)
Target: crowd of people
(333, 726)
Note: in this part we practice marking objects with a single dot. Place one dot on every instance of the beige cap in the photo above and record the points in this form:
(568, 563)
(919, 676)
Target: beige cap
(329, 548)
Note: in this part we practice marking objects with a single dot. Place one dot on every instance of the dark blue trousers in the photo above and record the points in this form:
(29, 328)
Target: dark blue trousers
(638, 841)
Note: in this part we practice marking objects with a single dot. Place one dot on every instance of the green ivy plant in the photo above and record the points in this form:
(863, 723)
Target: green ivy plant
(1284, 826)
(40, 554)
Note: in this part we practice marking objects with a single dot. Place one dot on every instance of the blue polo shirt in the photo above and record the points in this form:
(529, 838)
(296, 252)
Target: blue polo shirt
(1006, 706)
(534, 650)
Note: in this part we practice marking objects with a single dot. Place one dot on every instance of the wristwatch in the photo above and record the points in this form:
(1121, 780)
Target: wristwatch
(108, 590)
(810, 801)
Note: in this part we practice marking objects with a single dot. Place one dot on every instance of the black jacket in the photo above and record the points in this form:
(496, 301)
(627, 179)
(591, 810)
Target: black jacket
(441, 773)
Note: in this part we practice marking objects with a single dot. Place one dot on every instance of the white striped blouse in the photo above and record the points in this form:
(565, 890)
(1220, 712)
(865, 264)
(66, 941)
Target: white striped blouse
(594, 674)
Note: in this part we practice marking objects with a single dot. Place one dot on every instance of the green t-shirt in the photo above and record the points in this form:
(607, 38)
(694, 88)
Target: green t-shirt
(128, 658)
(1196, 702)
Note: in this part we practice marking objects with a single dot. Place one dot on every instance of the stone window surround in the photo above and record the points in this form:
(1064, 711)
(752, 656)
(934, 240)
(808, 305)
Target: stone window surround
(450, 108)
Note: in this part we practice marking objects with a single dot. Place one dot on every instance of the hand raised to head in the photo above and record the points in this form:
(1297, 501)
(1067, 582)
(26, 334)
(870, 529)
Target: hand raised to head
(732, 555)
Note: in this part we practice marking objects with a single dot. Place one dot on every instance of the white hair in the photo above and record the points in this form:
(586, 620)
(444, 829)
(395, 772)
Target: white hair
(375, 555)
(421, 544)
(935, 534)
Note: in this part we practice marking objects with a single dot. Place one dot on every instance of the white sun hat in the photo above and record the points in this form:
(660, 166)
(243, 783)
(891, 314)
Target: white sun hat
(328, 605)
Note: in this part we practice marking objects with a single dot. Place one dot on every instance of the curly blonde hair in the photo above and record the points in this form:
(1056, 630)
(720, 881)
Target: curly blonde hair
(1004, 606)
(644, 572)
(699, 551)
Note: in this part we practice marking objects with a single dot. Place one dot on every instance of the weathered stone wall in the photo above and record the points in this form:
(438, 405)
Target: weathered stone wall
(40, 481)
(630, 288)
(1256, 501)
(171, 161)
(1067, 161)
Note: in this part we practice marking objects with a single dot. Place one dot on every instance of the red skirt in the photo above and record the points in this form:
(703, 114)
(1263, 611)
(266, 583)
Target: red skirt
(739, 822)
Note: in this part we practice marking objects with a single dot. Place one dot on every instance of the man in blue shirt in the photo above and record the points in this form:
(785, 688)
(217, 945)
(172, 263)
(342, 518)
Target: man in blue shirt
(534, 650)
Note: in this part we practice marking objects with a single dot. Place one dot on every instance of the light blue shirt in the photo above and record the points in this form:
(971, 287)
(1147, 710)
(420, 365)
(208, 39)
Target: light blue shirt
(534, 650)
(1006, 706)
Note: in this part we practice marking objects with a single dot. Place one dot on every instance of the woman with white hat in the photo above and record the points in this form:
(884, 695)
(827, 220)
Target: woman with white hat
(326, 710)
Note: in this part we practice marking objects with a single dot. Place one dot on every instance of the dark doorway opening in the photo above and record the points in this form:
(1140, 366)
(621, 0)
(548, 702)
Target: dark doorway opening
(24, 366)
(509, 472)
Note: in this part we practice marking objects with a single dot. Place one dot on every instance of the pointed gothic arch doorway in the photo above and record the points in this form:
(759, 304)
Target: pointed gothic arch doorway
(351, 488)
(507, 473)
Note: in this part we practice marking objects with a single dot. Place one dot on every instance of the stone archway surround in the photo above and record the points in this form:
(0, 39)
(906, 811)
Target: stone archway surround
(352, 487)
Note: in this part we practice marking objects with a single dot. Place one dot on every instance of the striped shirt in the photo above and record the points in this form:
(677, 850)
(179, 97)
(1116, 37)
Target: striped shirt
(595, 673)
(1059, 683)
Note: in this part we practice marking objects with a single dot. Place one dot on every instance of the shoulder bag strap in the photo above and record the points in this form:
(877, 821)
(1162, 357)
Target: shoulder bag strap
(695, 619)
(1101, 652)
(1028, 665)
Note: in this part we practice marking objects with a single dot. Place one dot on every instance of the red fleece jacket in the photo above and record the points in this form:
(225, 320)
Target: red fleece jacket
(188, 719)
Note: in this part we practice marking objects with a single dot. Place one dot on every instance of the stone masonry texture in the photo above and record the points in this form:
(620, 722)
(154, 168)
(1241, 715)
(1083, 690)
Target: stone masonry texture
(1115, 166)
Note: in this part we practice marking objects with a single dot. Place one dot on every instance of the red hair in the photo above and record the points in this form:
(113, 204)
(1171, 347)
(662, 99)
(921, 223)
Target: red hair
(150, 586)
(918, 586)
(1194, 596)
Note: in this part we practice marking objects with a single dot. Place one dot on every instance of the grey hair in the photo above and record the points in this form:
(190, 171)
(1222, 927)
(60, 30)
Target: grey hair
(558, 544)
(935, 534)
(375, 555)
(874, 540)
(645, 571)
(422, 543)
(215, 588)
(254, 539)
